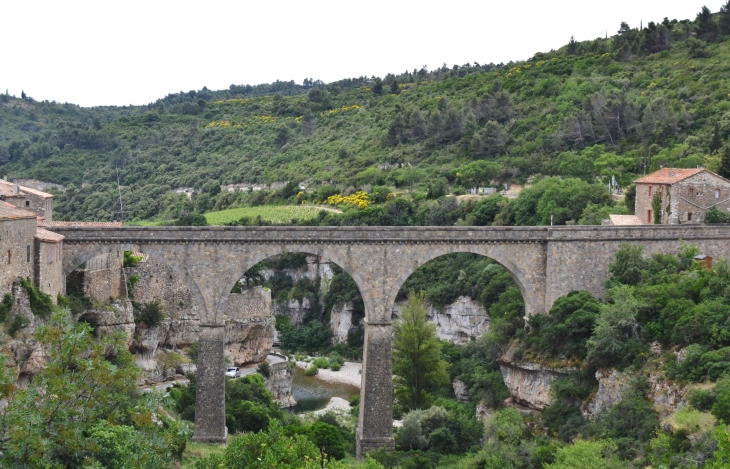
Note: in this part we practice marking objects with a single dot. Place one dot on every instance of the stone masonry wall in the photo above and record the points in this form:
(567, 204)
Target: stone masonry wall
(48, 268)
(17, 239)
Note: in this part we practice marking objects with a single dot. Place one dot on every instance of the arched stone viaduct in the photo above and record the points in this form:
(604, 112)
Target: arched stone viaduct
(545, 262)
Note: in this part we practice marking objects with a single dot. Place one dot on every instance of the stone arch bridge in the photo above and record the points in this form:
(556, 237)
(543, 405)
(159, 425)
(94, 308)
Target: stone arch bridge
(545, 262)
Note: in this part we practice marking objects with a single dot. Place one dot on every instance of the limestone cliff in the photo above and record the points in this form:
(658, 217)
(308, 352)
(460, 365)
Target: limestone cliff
(458, 322)
(529, 383)
(343, 319)
(279, 384)
(250, 326)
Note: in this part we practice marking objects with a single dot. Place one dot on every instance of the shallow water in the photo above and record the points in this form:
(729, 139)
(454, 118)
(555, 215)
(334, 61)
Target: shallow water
(312, 393)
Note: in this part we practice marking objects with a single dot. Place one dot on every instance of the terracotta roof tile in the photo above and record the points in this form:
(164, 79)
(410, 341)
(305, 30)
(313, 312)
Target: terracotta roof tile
(90, 224)
(48, 236)
(11, 212)
(6, 187)
(669, 175)
(624, 220)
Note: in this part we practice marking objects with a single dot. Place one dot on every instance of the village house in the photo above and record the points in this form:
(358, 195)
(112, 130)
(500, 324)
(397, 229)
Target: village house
(26, 198)
(682, 195)
(28, 251)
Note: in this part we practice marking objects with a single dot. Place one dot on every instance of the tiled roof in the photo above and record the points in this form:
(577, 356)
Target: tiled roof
(6, 188)
(48, 236)
(10, 212)
(669, 175)
(90, 224)
(624, 220)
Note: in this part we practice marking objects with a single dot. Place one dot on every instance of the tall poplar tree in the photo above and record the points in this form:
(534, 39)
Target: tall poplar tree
(417, 363)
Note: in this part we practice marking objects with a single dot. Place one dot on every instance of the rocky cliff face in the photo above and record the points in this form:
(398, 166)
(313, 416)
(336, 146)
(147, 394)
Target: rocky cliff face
(529, 383)
(250, 326)
(279, 384)
(458, 322)
(343, 319)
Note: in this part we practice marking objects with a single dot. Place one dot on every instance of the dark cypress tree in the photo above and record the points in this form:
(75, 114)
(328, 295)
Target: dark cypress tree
(706, 27)
(724, 19)
(725, 163)
(716, 142)
(22, 94)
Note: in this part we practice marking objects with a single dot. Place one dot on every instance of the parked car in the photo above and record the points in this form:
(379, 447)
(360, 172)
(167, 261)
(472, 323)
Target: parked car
(233, 372)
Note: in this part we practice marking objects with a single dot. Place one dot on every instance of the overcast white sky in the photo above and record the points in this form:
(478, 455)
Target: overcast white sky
(98, 52)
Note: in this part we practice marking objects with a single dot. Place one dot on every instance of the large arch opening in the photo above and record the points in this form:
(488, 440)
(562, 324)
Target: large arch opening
(476, 307)
(308, 308)
(141, 296)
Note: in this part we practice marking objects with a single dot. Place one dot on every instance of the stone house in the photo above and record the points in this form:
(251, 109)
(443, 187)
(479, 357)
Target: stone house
(686, 195)
(29, 252)
(26, 198)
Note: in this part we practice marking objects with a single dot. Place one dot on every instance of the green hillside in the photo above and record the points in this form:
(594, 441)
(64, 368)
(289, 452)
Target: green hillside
(590, 110)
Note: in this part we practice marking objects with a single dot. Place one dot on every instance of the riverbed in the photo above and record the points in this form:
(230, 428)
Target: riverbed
(313, 393)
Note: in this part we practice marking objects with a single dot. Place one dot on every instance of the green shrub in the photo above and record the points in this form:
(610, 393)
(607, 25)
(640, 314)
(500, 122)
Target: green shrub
(19, 322)
(312, 370)
(329, 440)
(132, 280)
(6, 305)
(149, 313)
(40, 303)
(321, 363)
(130, 260)
(264, 369)
(701, 399)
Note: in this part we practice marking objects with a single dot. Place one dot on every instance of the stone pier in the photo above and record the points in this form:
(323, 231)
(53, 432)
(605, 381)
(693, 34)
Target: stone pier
(375, 425)
(210, 403)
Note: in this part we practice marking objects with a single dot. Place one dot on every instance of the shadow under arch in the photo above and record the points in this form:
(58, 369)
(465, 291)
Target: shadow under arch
(248, 261)
(529, 294)
(95, 250)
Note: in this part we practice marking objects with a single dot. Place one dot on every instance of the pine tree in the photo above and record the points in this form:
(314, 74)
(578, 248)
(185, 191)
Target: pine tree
(725, 163)
(417, 363)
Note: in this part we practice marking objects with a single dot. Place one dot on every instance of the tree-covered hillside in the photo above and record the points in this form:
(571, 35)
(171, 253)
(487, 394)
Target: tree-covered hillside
(610, 107)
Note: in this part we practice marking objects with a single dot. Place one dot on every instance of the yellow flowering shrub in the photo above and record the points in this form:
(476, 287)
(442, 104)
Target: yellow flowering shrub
(359, 199)
(340, 109)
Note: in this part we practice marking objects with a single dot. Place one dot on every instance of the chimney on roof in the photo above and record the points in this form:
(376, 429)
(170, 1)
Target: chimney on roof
(16, 189)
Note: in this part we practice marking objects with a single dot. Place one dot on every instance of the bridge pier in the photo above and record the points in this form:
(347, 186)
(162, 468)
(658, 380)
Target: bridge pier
(375, 425)
(210, 402)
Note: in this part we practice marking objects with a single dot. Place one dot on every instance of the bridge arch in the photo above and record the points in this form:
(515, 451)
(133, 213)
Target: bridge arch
(249, 259)
(84, 254)
(532, 295)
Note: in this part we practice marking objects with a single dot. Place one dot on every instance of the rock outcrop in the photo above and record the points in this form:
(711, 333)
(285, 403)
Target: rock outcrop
(529, 383)
(117, 316)
(250, 326)
(458, 322)
(279, 384)
(343, 319)
(460, 390)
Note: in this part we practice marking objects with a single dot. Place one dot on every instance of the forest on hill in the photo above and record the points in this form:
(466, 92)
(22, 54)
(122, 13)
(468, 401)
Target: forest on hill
(618, 106)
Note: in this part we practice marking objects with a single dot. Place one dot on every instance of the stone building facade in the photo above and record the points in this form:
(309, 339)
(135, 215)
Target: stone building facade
(48, 271)
(686, 195)
(17, 250)
(26, 198)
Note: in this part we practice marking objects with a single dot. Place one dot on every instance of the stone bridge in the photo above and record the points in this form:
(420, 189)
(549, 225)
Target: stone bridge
(545, 262)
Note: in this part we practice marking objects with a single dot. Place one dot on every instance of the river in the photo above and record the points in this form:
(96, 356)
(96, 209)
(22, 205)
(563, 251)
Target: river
(313, 393)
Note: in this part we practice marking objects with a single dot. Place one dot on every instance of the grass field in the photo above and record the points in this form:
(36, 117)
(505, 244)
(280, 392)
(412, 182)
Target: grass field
(276, 214)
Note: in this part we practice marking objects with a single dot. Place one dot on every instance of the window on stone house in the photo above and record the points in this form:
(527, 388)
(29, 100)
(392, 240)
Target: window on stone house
(649, 191)
(27, 203)
(10, 256)
(717, 193)
(27, 253)
(648, 217)
(689, 216)
(691, 192)
(50, 255)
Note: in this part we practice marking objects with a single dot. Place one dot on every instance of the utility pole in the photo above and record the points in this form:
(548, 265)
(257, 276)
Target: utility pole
(121, 211)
